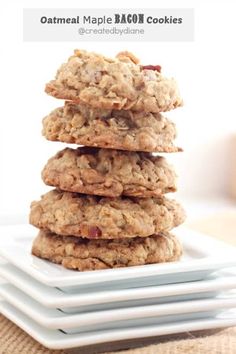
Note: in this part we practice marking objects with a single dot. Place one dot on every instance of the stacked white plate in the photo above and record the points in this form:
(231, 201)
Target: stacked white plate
(67, 309)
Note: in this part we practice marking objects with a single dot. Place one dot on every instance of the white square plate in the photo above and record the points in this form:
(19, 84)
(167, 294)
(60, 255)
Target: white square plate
(113, 318)
(56, 339)
(202, 255)
(107, 298)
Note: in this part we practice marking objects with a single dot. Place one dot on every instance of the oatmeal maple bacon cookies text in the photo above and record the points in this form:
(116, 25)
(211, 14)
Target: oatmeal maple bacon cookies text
(110, 173)
(83, 254)
(119, 83)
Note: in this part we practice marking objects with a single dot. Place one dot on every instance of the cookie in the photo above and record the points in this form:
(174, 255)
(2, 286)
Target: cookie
(75, 214)
(122, 130)
(109, 173)
(119, 83)
(83, 254)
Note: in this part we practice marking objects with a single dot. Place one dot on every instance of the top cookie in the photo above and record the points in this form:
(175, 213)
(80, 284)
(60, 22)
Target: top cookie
(119, 83)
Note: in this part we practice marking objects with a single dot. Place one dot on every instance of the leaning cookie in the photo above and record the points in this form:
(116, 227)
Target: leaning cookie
(119, 83)
(82, 254)
(80, 215)
(122, 130)
(109, 173)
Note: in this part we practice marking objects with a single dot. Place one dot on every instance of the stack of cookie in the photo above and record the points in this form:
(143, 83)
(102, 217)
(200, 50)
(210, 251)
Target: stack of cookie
(108, 207)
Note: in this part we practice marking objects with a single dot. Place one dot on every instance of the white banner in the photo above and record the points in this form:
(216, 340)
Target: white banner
(148, 25)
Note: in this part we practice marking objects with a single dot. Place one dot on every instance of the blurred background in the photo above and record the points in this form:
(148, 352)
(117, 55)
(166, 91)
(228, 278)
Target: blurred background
(206, 73)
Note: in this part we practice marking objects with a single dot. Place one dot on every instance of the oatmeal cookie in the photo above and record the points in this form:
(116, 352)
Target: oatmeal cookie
(81, 215)
(122, 130)
(119, 83)
(83, 254)
(109, 173)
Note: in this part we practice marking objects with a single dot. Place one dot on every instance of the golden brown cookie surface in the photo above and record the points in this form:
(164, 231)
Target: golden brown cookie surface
(111, 129)
(119, 83)
(82, 254)
(109, 173)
